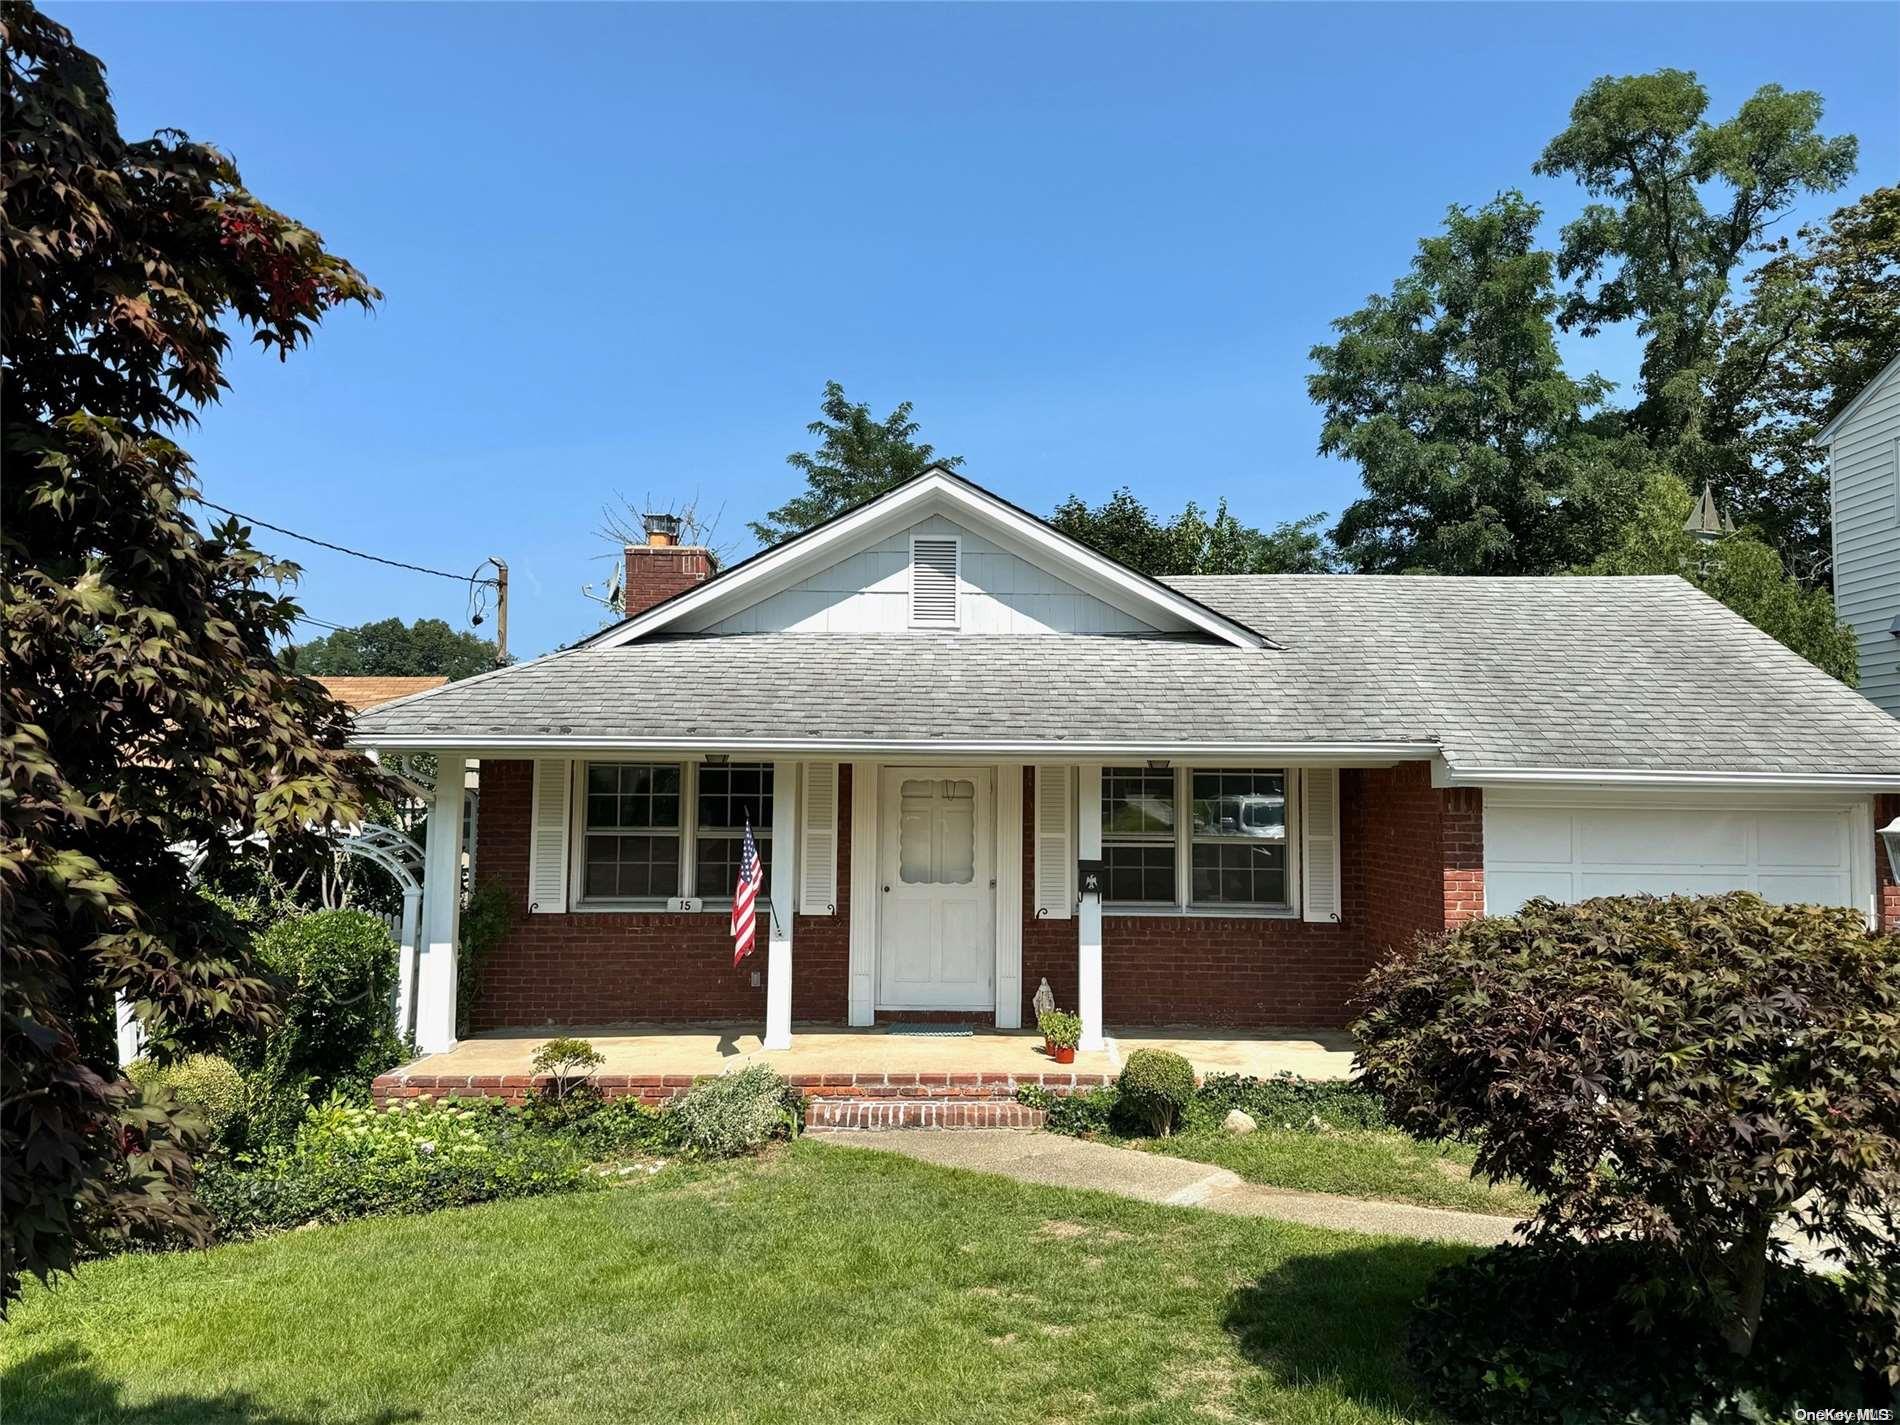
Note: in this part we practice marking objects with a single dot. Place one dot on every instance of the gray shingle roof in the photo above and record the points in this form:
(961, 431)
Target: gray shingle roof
(1636, 674)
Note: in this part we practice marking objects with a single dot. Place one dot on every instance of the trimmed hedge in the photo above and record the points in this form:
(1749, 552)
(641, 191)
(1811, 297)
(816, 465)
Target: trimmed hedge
(1156, 1087)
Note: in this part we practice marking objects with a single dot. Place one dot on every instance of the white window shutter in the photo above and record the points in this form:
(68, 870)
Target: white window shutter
(548, 841)
(818, 841)
(933, 581)
(1319, 844)
(1055, 845)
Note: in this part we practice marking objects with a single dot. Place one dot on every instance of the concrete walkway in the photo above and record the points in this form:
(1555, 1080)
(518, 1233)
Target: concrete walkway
(1053, 1160)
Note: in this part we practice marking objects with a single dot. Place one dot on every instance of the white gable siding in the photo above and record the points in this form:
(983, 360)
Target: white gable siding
(1866, 489)
(869, 592)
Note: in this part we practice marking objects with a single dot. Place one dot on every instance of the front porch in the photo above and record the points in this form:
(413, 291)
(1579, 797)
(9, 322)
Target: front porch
(656, 1062)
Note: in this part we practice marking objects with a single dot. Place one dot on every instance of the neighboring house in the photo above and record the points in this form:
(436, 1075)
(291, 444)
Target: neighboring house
(977, 753)
(1863, 447)
(362, 694)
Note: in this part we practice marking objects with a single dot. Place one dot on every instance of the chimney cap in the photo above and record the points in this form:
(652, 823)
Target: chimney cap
(662, 529)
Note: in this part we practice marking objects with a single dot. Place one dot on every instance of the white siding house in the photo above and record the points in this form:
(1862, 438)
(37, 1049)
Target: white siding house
(1863, 444)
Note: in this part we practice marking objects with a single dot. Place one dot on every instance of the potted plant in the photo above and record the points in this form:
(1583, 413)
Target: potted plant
(1064, 1032)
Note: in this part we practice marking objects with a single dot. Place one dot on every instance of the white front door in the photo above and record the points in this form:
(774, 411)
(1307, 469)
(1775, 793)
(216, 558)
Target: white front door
(937, 926)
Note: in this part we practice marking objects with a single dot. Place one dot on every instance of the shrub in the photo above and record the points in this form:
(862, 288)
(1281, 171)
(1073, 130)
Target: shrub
(1060, 1028)
(736, 1113)
(1691, 1072)
(1612, 1331)
(568, 1062)
(1076, 1114)
(205, 1080)
(338, 969)
(1287, 1101)
(1156, 1085)
(347, 1161)
(625, 1125)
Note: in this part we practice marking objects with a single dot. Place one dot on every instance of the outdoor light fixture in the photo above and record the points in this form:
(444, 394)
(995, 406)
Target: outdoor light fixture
(1890, 838)
(1157, 764)
(717, 759)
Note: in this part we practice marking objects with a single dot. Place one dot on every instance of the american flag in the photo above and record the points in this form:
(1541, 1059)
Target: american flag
(744, 895)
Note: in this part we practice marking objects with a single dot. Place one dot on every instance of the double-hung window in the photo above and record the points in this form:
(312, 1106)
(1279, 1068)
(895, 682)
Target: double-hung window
(631, 831)
(1138, 831)
(1196, 838)
(728, 798)
(653, 831)
(1239, 850)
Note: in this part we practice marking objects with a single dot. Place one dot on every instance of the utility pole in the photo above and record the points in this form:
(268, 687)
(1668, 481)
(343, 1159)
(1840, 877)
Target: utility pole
(501, 609)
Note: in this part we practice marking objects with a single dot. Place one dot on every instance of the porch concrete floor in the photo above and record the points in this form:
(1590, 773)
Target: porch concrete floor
(710, 1049)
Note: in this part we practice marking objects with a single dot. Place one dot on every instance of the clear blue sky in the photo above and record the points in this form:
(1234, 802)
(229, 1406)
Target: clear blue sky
(624, 247)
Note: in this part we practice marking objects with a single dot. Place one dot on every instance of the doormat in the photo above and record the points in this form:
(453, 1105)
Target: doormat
(932, 1031)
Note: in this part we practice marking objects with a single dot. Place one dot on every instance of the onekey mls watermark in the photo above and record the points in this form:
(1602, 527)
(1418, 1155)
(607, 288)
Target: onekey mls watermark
(1836, 1415)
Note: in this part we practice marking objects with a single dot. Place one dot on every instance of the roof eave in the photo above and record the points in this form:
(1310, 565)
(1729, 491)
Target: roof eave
(1368, 754)
(1663, 779)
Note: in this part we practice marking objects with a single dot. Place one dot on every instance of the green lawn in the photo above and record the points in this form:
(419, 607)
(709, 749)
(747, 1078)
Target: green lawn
(1382, 1163)
(816, 1284)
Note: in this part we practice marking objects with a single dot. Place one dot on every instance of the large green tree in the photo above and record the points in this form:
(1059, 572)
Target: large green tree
(143, 705)
(390, 648)
(1682, 203)
(1123, 528)
(1478, 450)
(1738, 570)
(858, 458)
(1820, 319)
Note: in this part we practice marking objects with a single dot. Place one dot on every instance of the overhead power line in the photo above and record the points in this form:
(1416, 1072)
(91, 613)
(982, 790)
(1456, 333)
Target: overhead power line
(344, 549)
(477, 600)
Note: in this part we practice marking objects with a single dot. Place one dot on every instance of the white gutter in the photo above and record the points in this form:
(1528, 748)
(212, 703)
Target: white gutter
(1315, 753)
(1445, 776)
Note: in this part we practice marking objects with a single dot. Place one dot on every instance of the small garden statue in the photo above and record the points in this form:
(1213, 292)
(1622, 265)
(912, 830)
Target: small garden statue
(1044, 1001)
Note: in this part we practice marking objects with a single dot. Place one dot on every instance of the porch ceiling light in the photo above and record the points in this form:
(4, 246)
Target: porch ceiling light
(1158, 764)
(1890, 838)
(718, 759)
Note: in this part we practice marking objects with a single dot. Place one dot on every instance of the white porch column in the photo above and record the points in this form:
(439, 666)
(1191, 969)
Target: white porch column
(782, 902)
(441, 908)
(1089, 911)
(406, 957)
(131, 1033)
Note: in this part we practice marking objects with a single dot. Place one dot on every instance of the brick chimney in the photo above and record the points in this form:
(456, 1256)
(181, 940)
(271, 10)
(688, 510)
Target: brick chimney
(663, 567)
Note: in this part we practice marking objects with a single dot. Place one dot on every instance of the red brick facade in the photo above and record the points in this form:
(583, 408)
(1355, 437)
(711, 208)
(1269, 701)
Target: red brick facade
(1422, 850)
(603, 967)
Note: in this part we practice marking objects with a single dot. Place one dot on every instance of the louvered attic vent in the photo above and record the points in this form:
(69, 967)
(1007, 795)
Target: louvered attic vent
(933, 583)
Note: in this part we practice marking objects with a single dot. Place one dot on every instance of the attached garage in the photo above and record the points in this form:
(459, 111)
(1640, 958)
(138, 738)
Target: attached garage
(1570, 848)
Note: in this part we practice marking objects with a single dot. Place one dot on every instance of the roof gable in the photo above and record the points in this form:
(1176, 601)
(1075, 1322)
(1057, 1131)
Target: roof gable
(1852, 408)
(936, 492)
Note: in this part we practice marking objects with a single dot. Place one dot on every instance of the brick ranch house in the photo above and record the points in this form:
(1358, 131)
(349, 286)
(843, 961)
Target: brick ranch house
(977, 754)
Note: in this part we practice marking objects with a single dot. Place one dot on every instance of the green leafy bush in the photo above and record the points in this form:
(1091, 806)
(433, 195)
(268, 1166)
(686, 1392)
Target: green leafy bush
(736, 1113)
(1156, 1086)
(1076, 1114)
(1613, 1331)
(1287, 1101)
(625, 1125)
(567, 1061)
(338, 973)
(1693, 1072)
(204, 1080)
(347, 1161)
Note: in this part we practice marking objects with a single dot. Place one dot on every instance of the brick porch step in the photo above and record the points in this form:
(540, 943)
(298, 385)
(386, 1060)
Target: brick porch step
(873, 1087)
(881, 1114)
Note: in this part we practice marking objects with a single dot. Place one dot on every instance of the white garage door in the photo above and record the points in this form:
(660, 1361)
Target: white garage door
(1572, 851)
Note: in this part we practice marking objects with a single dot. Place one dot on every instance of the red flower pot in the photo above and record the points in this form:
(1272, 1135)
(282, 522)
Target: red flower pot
(1065, 1053)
